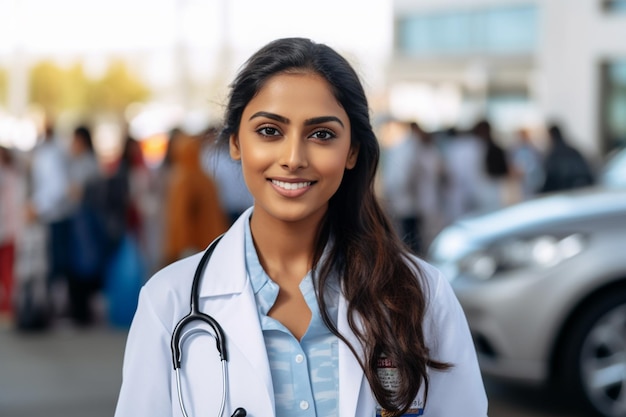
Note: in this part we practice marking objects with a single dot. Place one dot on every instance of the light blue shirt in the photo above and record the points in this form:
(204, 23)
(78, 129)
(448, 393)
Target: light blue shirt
(51, 182)
(305, 373)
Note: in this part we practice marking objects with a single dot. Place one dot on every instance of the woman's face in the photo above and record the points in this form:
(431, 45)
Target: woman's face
(294, 146)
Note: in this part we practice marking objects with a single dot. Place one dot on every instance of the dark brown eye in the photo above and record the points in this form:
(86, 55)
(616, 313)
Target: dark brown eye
(323, 135)
(268, 131)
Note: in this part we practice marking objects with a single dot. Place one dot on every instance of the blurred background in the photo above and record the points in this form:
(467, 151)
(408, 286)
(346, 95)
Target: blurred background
(155, 65)
(108, 110)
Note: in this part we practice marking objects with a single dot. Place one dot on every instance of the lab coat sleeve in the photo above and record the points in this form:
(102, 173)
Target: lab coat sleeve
(146, 377)
(458, 391)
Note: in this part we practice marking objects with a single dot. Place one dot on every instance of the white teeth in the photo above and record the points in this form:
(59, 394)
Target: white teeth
(291, 185)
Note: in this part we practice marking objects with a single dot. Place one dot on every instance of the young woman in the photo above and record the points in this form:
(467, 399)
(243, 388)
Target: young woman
(324, 312)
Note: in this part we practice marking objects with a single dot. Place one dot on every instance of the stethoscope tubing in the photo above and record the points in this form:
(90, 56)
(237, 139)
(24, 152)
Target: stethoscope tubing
(180, 392)
(195, 314)
(178, 337)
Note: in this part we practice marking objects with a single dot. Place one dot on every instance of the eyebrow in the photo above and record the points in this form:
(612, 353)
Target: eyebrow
(307, 122)
(322, 119)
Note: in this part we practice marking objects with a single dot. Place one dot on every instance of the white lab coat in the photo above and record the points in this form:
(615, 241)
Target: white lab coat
(149, 383)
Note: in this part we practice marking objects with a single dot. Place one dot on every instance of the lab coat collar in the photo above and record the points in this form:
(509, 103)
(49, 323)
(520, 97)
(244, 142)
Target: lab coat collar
(226, 284)
(229, 275)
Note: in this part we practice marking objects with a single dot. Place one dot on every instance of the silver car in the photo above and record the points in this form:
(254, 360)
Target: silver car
(543, 285)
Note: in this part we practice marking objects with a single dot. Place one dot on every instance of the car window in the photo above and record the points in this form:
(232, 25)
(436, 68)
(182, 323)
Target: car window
(614, 173)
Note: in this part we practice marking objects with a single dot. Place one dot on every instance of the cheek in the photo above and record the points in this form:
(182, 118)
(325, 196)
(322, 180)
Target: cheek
(255, 159)
(333, 165)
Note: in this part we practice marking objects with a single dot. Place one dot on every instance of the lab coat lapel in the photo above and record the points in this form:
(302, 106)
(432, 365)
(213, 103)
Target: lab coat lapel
(226, 294)
(351, 376)
(239, 319)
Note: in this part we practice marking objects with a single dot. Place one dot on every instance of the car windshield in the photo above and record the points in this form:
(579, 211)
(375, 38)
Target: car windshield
(614, 173)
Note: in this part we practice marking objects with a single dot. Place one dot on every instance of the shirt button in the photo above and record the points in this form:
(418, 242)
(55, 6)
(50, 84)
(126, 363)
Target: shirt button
(304, 405)
(299, 358)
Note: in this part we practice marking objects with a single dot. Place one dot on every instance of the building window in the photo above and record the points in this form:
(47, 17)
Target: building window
(496, 30)
(613, 113)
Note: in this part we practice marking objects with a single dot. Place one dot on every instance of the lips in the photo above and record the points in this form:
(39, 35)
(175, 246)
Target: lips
(292, 188)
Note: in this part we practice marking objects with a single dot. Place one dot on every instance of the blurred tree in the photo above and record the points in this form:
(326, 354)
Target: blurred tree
(116, 90)
(58, 89)
(55, 88)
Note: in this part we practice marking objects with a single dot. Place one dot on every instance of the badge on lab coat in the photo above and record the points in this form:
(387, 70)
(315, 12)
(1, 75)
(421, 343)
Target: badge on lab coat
(390, 379)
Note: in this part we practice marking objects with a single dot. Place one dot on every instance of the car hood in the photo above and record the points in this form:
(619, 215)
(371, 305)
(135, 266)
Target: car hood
(559, 207)
(542, 213)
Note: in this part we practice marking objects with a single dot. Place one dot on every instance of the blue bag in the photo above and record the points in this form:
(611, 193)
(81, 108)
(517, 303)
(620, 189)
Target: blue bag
(124, 277)
(87, 242)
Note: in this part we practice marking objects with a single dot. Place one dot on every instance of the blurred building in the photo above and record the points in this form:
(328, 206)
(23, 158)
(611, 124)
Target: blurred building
(518, 62)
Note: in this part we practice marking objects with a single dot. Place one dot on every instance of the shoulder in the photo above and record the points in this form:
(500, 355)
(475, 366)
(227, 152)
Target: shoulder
(171, 286)
(166, 296)
(437, 290)
(428, 273)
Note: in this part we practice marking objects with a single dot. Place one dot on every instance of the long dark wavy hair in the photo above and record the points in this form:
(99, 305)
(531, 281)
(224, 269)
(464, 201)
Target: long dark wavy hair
(380, 281)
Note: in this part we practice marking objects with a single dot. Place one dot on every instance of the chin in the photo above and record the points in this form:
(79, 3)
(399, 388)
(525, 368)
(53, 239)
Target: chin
(303, 213)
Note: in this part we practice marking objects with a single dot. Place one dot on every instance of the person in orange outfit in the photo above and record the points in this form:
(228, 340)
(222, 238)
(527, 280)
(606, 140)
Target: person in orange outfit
(193, 215)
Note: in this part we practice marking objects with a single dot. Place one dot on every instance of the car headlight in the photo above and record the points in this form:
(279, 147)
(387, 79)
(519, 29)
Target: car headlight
(537, 252)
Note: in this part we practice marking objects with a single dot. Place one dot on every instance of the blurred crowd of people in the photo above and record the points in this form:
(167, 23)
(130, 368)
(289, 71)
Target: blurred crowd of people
(430, 179)
(75, 233)
(72, 228)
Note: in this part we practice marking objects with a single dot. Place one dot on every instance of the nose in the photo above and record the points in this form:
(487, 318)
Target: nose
(293, 154)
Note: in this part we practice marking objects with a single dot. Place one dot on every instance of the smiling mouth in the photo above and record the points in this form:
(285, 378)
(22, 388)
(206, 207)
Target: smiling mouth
(292, 185)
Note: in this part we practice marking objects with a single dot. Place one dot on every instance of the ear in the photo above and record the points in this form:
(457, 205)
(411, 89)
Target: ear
(352, 156)
(233, 144)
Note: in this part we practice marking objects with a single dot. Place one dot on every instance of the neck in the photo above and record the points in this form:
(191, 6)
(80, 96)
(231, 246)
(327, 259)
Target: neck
(285, 249)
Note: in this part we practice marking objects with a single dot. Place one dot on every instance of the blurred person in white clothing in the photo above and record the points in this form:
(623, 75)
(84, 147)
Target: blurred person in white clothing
(527, 164)
(430, 179)
(400, 180)
(463, 156)
(477, 170)
(50, 203)
(495, 171)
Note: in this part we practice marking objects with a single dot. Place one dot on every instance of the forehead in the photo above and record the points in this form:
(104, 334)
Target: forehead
(307, 94)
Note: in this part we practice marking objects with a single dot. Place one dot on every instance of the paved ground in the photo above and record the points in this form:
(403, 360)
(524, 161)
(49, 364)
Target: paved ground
(77, 373)
(61, 373)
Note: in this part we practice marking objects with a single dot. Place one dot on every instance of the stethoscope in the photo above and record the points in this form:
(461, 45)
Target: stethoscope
(178, 337)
